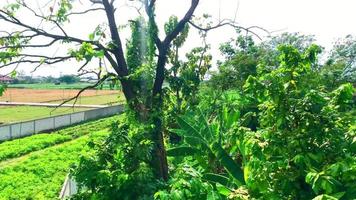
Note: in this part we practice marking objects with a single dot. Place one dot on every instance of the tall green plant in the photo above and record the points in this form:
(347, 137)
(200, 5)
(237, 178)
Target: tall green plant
(205, 141)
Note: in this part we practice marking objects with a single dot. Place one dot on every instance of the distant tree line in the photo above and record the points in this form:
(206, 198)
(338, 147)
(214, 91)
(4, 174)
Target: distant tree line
(68, 79)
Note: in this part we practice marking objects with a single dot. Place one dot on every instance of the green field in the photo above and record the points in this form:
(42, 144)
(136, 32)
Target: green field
(35, 167)
(53, 86)
(10, 114)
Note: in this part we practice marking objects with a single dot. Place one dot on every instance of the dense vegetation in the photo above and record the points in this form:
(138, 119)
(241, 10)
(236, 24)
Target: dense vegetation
(274, 122)
(41, 174)
(277, 132)
(19, 147)
(35, 167)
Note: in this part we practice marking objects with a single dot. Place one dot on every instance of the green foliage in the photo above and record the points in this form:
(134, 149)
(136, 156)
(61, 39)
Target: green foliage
(40, 175)
(12, 43)
(137, 45)
(139, 58)
(22, 146)
(169, 27)
(242, 57)
(187, 183)
(12, 8)
(302, 131)
(199, 133)
(68, 79)
(97, 34)
(87, 52)
(62, 13)
(303, 145)
(342, 60)
(186, 78)
(2, 89)
(119, 167)
(299, 41)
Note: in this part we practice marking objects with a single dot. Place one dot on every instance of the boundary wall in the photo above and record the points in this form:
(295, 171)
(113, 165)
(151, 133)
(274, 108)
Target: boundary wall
(27, 128)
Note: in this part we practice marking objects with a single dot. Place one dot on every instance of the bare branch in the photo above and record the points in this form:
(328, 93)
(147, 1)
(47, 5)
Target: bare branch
(96, 1)
(231, 24)
(100, 81)
(11, 19)
(85, 11)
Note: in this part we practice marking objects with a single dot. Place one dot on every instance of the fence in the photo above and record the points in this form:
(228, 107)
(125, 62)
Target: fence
(27, 128)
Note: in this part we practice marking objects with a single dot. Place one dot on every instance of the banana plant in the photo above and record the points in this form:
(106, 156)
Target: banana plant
(204, 137)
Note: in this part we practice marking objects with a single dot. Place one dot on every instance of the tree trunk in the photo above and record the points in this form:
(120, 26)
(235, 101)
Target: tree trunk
(159, 159)
(159, 156)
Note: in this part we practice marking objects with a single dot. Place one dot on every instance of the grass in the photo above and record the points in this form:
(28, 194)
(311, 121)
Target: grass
(11, 114)
(53, 86)
(22, 146)
(40, 175)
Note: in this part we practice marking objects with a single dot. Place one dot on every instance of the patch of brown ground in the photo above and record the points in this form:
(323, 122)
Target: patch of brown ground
(47, 95)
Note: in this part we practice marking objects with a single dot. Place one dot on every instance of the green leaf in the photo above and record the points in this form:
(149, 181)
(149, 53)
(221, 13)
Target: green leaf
(99, 54)
(212, 195)
(189, 129)
(2, 89)
(216, 178)
(229, 164)
(324, 197)
(91, 36)
(223, 190)
(13, 74)
(182, 151)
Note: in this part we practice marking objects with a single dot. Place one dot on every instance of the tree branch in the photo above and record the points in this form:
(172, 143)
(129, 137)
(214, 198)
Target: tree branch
(117, 50)
(100, 81)
(181, 24)
(232, 24)
(164, 47)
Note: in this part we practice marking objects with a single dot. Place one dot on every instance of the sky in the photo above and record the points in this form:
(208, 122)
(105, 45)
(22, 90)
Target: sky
(326, 19)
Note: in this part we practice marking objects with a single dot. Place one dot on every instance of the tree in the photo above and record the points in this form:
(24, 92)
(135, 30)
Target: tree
(98, 46)
(343, 55)
(69, 79)
(242, 56)
(299, 41)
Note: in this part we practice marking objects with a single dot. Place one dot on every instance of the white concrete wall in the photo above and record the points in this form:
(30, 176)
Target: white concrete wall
(77, 117)
(15, 130)
(28, 128)
(44, 124)
(62, 121)
(5, 133)
(22, 129)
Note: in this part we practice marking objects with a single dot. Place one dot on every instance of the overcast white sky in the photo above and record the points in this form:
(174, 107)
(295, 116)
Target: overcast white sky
(326, 19)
